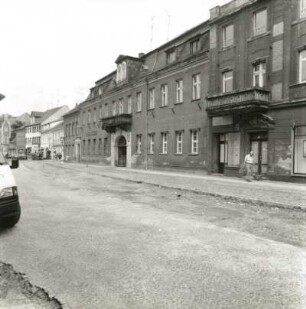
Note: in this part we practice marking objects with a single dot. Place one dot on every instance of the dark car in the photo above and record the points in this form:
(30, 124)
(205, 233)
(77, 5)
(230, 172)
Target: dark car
(9, 200)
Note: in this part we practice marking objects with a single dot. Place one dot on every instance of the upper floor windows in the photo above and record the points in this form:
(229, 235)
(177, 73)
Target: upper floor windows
(171, 56)
(194, 141)
(120, 106)
(151, 98)
(164, 94)
(129, 104)
(196, 87)
(179, 91)
(227, 81)
(164, 136)
(121, 71)
(227, 36)
(259, 74)
(194, 46)
(106, 109)
(302, 67)
(302, 8)
(114, 108)
(138, 101)
(260, 22)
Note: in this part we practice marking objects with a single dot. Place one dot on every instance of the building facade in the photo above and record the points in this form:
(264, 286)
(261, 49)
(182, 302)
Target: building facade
(203, 100)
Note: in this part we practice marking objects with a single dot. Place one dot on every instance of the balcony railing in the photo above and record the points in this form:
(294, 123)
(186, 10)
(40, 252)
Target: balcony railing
(243, 101)
(123, 121)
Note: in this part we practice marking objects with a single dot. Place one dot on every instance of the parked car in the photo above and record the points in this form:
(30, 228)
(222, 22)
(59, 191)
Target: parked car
(9, 200)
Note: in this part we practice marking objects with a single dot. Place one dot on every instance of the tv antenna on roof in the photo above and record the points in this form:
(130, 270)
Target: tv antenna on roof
(152, 32)
(168, 21)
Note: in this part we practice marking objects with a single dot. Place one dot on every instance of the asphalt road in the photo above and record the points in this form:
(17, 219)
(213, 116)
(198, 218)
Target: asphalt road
(95, 242)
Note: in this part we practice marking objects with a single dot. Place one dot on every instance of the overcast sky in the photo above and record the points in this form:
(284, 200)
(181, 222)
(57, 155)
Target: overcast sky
(52, 51)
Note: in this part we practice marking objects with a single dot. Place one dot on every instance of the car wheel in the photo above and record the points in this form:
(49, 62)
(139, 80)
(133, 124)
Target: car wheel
(11, 221)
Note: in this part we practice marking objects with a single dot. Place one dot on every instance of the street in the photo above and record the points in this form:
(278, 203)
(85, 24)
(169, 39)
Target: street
(96, 242)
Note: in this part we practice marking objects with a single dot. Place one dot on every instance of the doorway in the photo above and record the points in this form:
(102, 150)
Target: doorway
(259, 144)
(121, 151)
(223, 150)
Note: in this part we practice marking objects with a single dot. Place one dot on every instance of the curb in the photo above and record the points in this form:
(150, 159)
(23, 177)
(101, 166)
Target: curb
(231, 198)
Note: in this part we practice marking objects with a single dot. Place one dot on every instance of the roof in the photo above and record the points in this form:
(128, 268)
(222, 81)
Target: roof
(36, 114)
(73, 111)
(53, 128)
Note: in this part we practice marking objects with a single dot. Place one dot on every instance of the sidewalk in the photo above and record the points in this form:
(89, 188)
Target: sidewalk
(265, 193)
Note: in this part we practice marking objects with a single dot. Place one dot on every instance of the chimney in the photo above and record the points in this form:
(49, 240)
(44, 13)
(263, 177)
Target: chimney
(140, 55)
(214, 12)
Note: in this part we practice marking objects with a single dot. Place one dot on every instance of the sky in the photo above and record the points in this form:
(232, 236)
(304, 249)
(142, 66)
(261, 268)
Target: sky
(53, 51)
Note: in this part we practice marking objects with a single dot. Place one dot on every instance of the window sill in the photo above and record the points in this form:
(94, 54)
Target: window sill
(300, 20)
(163, 153)
(227, 48)
(163, 106)
(258, 36)
(193, 154)
(138, 112)
(178, 103)
(178, 154)
(196, 100)
(151, 109)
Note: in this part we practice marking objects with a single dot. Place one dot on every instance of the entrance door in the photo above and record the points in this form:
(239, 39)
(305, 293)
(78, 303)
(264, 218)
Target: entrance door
(259, 145)
(122, 151)
(222, 153)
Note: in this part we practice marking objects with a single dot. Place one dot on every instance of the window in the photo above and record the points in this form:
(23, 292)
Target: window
(179, 91)
(138, 101)
(84, 118)
(164, 136)
(194, 141)
(164, 93)
(100, 146)
(114, 108)
(302, 8)
(194, 46)
(94, 116)
(89, 116)
(227, 36)
(151, 98)
(105, 149)
(151, 143)
(171, 56)
(179, 142)
(100, 111)
(120, 106)
(121, 71)
(196, 87)
(302, 68)
(259, 74)
(89, 147)
(94, 146)
(129, 104)
(106, 110)
(227, 81)
(260, 22)
(100, 90)
(138, 144)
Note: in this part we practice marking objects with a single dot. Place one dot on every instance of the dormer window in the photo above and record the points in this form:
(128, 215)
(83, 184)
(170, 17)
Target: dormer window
(171, 56)
(121, 71)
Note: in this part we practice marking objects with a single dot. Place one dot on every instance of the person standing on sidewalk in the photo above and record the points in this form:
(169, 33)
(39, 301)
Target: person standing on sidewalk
(249, 162)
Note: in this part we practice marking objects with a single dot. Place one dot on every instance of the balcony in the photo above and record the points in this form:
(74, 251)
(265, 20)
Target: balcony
(246, 101)
(123, 121)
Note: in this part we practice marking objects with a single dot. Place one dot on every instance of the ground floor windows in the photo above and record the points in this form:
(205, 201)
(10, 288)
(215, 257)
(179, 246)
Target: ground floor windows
(138, 144)
(179, 142)
(151, 143)
(164, 136)
(194, 141)
(299, 150)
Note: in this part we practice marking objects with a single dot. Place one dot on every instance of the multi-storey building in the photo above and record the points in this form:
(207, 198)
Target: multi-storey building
(72, 146)
(257, 88)
(235, 82)
(5, 134)
(40, 122)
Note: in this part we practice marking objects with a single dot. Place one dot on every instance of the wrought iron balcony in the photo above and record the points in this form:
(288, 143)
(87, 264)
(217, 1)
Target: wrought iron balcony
(244, 101)
(123, 121)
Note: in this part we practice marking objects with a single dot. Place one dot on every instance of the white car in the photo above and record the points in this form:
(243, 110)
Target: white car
(9, 201)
